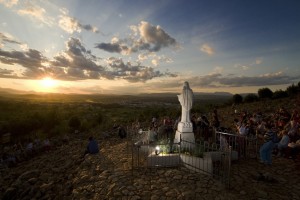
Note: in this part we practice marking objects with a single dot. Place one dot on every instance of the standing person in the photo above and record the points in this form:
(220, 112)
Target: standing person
(266, 149)
(215, 119)
(204, 125)
(92, 147)
(122, 132)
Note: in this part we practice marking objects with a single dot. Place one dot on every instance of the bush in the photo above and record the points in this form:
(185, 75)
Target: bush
(249, 98)
(237, 99)
(265, 93)
(292, 90)
(278, 94)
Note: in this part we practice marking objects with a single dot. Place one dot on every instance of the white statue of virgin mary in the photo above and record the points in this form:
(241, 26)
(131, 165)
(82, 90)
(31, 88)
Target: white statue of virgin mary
(186, 101)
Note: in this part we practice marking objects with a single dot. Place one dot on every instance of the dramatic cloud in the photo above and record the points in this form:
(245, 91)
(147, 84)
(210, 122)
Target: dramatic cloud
(37, 13)
(217, 80)
(207, 49)
(9, 3)
(145, 37)
(7, 39)
(133, 73)
(155, 36)
(78, 63)
(75, 63)
(112, 48)
(157, 59)
(65, 22)
(71, 25)
(5, 73)
(31, 60)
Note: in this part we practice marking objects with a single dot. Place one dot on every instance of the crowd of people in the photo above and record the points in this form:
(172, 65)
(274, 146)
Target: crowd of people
(12, 155)
(277, 133)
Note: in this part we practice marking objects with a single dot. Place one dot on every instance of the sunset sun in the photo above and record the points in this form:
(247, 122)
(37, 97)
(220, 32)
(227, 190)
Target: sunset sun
(48, 83)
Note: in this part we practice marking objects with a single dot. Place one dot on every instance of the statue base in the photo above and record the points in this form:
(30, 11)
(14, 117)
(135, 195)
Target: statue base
(185, 127)
(187, 136)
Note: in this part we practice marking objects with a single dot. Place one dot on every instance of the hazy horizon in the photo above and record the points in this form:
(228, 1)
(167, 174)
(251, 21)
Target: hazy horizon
(16, 91)
(133, 47)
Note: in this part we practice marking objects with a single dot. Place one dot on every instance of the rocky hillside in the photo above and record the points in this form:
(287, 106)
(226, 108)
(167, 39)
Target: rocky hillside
(63, 173)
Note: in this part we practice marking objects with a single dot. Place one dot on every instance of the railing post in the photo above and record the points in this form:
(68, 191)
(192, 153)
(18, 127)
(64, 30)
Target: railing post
(256, 144)
(229, 166)
(179, 150)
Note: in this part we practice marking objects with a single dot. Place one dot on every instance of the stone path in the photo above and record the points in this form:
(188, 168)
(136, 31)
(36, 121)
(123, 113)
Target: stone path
(63, 174)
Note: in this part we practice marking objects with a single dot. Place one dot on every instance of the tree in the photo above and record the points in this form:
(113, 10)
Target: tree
(265, 93)
(292, 90)
(278, 94)
(237, 99)
(249, 98)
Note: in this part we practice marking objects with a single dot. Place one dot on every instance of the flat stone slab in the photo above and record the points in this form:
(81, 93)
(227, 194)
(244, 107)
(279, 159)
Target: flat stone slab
(197, 164)
(163, 160)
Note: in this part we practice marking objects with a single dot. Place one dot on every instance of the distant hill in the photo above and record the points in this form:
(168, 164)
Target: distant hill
(8, 91)
(195, 93)
(32, 96)
(12, 91)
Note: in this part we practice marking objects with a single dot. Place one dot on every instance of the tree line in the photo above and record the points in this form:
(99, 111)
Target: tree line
(266, 93)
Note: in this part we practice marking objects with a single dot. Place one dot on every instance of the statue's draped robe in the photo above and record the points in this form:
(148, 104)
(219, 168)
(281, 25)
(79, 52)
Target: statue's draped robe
(186, 101)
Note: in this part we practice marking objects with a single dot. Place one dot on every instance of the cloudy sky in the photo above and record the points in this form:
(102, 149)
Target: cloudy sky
(138, 46)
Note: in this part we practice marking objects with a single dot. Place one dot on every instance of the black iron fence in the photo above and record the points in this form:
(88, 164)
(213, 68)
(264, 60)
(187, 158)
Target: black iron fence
(245, 146)
(202, 157)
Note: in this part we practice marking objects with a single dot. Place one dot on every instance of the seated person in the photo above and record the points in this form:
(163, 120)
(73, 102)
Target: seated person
(29, 149)
(92, 147)
(293, 149)
(293, 129)
(47, 145)
(152, 135)
(283, 143)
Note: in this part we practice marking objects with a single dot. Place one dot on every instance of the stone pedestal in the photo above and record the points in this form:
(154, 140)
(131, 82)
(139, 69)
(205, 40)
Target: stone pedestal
(185, 127)
(188, 136)
(185, 130)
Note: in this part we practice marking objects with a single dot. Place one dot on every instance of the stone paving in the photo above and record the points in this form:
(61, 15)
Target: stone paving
(64, 174)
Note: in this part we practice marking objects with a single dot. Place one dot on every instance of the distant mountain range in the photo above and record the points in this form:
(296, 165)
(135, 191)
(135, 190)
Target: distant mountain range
(13, 91)
(11, 94)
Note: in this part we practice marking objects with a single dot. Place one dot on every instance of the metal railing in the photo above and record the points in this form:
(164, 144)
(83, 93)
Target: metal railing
(245, 146)
(208, 158)
(202, 157)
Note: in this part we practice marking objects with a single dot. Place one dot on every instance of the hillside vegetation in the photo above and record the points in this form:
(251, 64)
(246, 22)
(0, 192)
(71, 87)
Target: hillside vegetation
(26, 116)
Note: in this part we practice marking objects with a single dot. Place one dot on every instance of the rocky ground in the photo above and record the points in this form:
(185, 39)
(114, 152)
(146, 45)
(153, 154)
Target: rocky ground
(64, 174)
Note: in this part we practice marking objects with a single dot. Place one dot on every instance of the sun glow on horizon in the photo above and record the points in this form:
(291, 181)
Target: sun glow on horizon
(47, 84)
